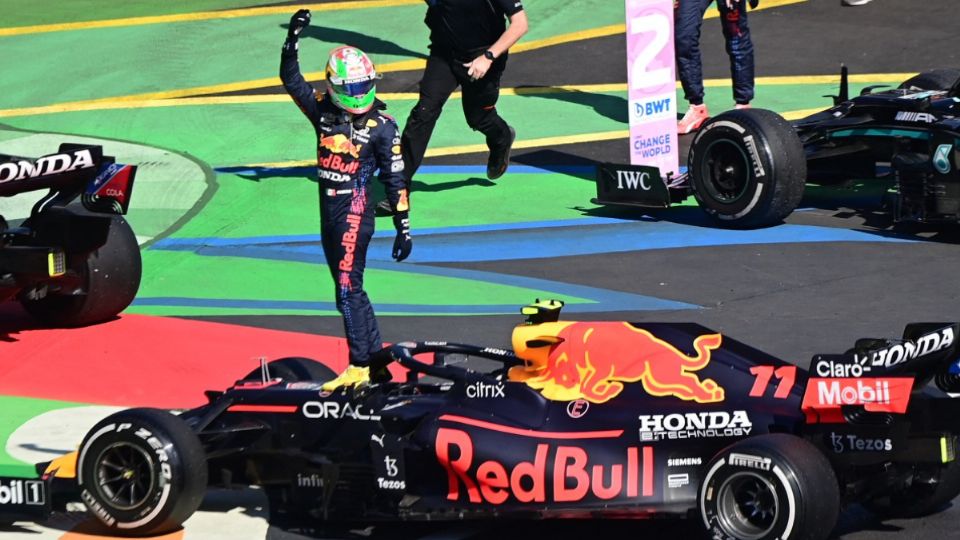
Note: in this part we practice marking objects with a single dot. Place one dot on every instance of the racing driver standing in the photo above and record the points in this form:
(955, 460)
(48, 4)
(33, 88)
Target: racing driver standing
(354, 139)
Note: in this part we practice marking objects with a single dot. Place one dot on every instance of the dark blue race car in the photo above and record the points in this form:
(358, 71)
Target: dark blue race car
(69, 264)
(748, 168)
(579, 420)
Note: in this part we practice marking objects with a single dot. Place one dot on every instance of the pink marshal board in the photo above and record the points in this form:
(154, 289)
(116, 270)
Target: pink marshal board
(652, 88)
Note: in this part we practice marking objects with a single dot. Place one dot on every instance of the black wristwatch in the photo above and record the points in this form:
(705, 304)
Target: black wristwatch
(489, 55)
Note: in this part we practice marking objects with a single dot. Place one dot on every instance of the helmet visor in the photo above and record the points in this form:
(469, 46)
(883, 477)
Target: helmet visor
(353, 89)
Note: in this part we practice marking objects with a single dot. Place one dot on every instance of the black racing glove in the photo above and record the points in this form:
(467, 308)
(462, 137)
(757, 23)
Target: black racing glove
(403, 244)
(754, 4)
(299, 21)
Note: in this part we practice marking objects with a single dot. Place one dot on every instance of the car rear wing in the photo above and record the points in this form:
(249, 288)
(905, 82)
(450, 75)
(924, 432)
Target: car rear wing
(926, 349)
(76, 170)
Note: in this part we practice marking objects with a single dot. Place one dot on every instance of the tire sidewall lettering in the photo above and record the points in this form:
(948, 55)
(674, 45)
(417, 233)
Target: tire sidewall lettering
(162, 455)
(776, 476)
(752, 143)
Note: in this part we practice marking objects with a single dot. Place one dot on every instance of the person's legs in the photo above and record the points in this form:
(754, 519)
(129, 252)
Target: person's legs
(736, 32)
(480, 110)
(437, 84)
(688, 17)
(345, 237)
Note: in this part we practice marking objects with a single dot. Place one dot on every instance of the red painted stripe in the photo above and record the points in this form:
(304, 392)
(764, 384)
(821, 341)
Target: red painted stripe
(263, 408)
(144, 361)
(611, 434)
(647, 471)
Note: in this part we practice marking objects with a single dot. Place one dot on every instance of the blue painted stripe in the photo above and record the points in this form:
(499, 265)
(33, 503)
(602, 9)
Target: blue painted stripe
(537, 240)
(616, 238)
(188, 244)
(378, 257)
(606, 300)
(481, 170)
(382, 308)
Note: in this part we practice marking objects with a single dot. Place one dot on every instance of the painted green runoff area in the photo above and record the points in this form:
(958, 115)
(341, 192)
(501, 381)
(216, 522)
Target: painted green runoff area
(16, 411)
(29, 12)
(208, 52)
(187, 275)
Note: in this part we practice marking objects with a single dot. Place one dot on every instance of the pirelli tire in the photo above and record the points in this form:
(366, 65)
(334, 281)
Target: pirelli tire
(747, 168)
(295, 369)
(109, 277)
(141, 472)
(937, 79)
(768, 487)
(921, 498)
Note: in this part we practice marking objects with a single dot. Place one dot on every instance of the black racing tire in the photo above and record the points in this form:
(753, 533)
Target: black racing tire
(919, 500)
(767, 487)
(146, 450)
(937, 79)
(747, 168)
(110, 278)
(295, 369)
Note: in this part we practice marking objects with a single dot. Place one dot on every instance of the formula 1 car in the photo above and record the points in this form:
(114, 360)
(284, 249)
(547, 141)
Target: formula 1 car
(70, 266)
(748, 168)
(581, 420)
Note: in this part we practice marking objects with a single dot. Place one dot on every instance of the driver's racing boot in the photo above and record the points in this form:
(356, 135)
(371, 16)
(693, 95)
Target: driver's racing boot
(695, 117)
(352, 376)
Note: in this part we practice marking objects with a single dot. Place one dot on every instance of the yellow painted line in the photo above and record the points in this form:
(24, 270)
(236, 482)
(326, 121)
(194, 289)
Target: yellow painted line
(802, 113)
(580, 35)
(166, 99)
(282, 10)
(528, 143)
(614, 29)
(862, 78)
(471, 148)
(402, 65)
(128, 102)
(201, 16)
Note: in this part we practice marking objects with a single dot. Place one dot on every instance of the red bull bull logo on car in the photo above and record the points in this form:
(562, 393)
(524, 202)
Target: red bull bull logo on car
(567, 361)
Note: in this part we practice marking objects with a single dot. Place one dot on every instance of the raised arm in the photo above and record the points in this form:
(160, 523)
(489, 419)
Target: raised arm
(302, 93)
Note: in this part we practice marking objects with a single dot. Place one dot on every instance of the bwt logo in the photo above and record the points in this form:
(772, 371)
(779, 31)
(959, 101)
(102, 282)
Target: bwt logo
(633, 179)
(656, 108)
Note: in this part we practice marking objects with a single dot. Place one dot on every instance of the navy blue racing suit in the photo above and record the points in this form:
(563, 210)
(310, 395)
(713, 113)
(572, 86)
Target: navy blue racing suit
(350, 148)
(687, 17)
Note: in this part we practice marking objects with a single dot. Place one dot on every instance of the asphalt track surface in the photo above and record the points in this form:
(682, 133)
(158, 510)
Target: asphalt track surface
(809, 290)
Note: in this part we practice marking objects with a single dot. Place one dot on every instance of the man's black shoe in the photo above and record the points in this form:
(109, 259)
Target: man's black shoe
(500, 158)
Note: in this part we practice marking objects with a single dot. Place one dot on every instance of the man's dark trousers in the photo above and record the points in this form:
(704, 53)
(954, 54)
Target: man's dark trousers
(440, 78)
